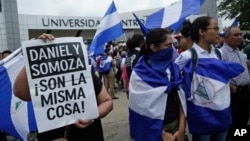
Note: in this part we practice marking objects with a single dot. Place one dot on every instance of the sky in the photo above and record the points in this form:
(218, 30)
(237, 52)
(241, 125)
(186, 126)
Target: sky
(83, 8)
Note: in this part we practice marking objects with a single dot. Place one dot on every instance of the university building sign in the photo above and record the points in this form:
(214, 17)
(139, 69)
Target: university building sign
(86, 23)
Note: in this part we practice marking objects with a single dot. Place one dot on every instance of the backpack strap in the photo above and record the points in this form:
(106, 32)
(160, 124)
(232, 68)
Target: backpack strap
(194, 58)
(217, 52)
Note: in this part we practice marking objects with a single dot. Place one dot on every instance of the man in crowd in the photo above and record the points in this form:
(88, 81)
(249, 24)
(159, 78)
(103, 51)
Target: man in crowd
(239, 86)
(109, 78)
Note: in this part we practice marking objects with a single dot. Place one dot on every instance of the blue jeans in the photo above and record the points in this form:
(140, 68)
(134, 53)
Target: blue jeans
(211, 137)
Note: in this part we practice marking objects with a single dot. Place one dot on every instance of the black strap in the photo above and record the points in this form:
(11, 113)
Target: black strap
(194, 58)
(218, 54)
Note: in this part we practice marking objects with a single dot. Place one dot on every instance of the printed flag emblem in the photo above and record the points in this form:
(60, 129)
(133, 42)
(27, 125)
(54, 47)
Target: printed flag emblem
(204, 90)
(201, 90)
(17, 106)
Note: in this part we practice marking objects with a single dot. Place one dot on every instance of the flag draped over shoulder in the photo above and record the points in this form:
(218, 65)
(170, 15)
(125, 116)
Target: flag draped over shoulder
(17, 116)
(148, 93)
(109, 29)
(208, 95)
(174, 15)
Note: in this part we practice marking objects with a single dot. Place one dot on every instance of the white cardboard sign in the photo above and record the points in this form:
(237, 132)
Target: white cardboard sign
(60, 82)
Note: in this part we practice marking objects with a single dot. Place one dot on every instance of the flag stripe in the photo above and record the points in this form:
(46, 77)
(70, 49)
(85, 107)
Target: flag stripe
(215, 121)
(155, 20)
(31, 117)
(168, 18)
(107, 22)
(18, 107)
(145, 94)
(220, 69)
(105, 36)
(188, 8)
(140, 124)
(144, 30)
(174, 15)
(112, 9)
(5, 100)
(16, 117)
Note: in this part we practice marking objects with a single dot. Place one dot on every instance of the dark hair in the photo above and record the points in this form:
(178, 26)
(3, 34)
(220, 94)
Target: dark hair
(193, 29)
(155, 36)
(138, 38)
(106, 50)
(185, 29)
(169, 30)
(6, 51)
(134, 42)
(246, 36)
(130, 44)
(107, 46)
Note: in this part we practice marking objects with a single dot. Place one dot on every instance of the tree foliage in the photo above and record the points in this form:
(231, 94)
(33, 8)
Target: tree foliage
(239, 9)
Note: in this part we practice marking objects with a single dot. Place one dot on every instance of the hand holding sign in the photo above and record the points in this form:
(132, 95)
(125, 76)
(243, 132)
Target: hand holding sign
(83, 123)
(45, 37)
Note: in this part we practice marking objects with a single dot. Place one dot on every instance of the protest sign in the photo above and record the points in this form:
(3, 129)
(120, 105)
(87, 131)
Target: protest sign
(60, 82)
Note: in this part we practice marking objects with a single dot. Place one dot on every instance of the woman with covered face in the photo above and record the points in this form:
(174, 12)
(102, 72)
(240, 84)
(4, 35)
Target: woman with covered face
(156, 104)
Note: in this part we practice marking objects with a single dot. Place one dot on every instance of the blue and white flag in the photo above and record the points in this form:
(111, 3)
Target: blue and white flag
(148, 93)
(144, 30)
(17, 116)
(109, 29)
(208, 106)
(174, 15)
(235, 22)
(105, 64)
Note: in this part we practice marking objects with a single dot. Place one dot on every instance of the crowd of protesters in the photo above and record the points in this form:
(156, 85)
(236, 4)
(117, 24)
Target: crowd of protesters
(203, 36)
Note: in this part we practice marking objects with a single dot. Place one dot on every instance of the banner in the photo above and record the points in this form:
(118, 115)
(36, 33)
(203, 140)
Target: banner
(60, 82)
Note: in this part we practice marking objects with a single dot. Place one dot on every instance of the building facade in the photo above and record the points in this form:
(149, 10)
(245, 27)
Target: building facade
(9, 25)
(15, 28)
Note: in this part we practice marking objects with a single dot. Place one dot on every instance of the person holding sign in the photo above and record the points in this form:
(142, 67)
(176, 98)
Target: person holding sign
(90, 129)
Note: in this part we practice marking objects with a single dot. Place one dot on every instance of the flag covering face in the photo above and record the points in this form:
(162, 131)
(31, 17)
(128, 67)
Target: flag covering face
(17, 116)
(208, 95)
(174, 15)
(109, 29)
(147, 101)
